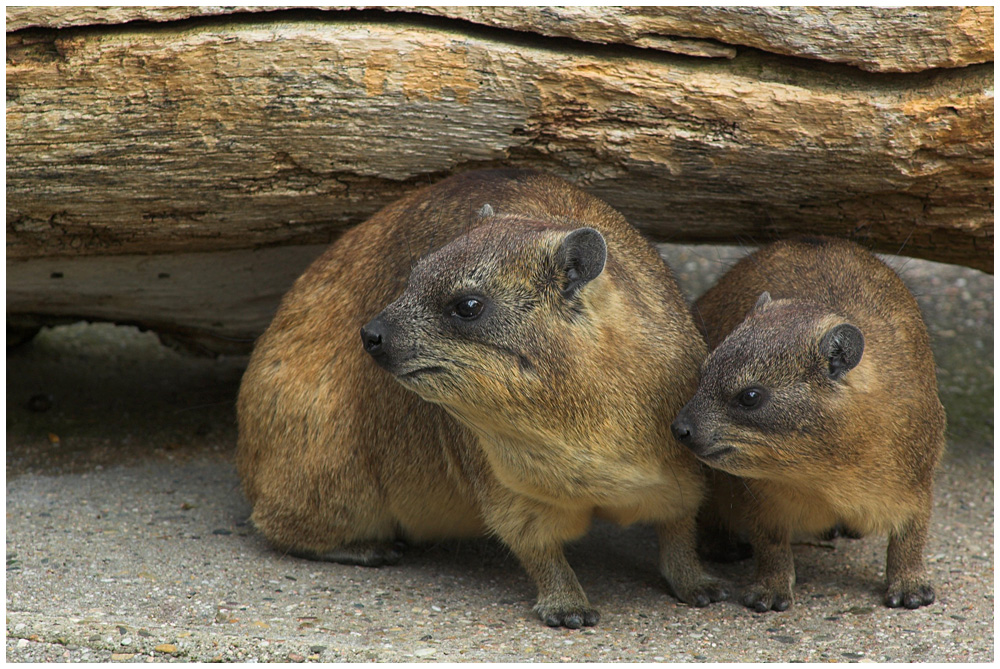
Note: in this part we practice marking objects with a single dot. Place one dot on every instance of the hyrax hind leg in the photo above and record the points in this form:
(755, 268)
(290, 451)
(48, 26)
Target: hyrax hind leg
(346, 525)
(907, 583)
(328, 511)
(363, 553)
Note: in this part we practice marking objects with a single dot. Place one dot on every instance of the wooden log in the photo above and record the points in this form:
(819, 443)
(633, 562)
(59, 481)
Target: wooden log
(877, 39)
(214, 302)
(200, 136)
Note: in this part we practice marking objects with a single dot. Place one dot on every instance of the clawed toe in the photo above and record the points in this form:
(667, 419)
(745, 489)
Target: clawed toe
(703, 593)
(911, 598)
(570, 618)
(761, 599)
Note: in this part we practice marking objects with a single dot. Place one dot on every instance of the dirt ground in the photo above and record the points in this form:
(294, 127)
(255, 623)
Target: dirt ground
(127, 535)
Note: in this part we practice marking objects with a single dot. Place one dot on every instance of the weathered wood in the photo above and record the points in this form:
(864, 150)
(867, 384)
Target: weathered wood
(194, 139)
(877, 39)
(184, 140)
(213, 302)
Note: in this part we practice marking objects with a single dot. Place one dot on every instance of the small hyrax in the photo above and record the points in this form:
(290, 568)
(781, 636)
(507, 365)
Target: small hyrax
(823, 402)
(522, 383)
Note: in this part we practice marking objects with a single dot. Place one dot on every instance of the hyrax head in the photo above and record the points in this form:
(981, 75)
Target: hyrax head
(487, 323)
(774, 395)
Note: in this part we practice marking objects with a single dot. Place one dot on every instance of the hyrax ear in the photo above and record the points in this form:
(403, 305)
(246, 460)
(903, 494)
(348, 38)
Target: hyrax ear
(762, 301)
(842, 348)
(582, 256)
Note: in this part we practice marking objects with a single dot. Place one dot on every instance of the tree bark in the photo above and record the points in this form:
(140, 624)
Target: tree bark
(187, 134)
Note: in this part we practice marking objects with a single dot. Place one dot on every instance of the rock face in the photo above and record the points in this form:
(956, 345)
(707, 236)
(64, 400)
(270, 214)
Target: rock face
(156, 133)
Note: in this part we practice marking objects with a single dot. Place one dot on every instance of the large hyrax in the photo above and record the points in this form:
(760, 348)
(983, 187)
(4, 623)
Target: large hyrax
(522, 383)
(824, 403)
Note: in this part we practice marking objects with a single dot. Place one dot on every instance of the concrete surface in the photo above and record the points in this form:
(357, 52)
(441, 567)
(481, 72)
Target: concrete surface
(127, 536)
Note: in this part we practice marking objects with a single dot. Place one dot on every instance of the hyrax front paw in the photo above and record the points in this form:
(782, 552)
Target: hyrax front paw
(573, 617)
(910, 595)
(704, 591)
(760, 598)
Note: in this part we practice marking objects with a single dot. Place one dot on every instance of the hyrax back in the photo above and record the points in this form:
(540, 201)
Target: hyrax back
(528, 372)
(824, 402)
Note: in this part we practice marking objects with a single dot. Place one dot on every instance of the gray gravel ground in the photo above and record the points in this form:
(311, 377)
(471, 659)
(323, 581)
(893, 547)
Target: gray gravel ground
(127, 536)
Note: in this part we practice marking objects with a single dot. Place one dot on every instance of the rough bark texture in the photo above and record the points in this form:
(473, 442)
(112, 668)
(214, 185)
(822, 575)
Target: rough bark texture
(877, 39)
(195, 135)
(872, 38)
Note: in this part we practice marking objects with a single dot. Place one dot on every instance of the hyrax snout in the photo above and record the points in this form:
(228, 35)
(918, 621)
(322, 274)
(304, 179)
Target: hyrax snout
(819, 410)
(489, 391)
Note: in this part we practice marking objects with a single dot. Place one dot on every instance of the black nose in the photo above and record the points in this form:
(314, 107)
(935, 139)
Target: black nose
(681, 430)
(372, 337)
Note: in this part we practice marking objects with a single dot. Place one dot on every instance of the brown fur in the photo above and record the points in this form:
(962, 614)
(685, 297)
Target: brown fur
(562, 412)
(854, 449)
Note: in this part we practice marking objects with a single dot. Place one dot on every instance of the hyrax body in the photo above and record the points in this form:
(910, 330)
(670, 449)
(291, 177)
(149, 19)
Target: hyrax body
(824, 403)
(521, 384)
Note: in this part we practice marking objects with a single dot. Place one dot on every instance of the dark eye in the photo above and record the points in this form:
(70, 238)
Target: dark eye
(750, 397)
(468, 308)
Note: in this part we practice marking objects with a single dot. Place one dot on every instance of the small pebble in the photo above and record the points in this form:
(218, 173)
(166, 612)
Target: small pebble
(295, 657)
(119, 657)
(165, 648)
(424, 652)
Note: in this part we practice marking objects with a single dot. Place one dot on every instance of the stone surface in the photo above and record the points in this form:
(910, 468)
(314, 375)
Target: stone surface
(112, 534)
